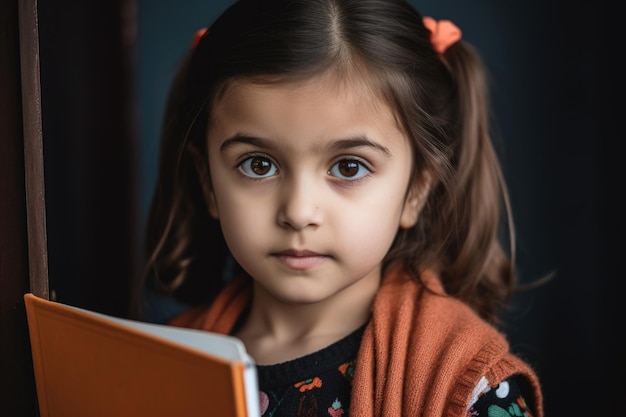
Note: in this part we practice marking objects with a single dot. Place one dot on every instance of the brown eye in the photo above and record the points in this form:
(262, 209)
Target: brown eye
(348, 168)
(258, 166)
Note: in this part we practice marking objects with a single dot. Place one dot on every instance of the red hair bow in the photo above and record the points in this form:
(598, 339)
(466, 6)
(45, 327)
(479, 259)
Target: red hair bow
(197, 36)
(443, 33)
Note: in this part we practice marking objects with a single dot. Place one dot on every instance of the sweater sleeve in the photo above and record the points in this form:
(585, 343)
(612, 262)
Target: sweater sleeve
(424, 352)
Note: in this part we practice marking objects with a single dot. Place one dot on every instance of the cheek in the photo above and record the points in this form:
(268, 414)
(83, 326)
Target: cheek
(243, 220)
(370, 227)
(239, 235)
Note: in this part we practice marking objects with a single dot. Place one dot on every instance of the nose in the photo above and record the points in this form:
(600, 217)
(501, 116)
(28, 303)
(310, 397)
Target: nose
(299, 206)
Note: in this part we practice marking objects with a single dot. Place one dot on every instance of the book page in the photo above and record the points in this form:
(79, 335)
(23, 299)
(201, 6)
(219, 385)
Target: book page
(224, 346)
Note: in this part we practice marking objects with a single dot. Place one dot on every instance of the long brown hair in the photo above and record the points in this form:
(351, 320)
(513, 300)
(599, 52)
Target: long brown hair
(441, 102)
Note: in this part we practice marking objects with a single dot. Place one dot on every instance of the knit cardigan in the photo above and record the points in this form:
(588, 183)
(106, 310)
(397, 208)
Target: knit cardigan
(422, 353)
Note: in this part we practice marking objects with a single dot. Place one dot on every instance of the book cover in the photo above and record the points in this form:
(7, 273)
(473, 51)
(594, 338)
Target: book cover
(91, 364)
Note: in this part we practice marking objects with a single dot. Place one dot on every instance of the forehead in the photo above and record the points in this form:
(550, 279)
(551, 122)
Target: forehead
(326, 99)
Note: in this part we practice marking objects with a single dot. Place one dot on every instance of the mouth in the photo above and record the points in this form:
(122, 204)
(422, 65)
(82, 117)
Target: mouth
(299, 259)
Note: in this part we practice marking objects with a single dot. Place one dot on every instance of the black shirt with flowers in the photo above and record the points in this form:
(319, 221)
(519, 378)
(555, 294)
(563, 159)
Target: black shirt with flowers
(319, 384)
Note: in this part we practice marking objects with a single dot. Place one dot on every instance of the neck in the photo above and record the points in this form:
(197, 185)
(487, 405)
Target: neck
(276, 331)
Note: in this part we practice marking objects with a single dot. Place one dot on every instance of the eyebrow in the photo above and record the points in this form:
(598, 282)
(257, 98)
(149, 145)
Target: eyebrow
(358, 142)
(337, 145)
(241, 138)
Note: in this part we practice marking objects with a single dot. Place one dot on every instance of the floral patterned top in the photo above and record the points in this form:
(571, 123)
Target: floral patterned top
(319, 384)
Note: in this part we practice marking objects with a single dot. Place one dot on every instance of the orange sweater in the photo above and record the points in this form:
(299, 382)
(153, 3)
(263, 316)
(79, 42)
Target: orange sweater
(422, 354)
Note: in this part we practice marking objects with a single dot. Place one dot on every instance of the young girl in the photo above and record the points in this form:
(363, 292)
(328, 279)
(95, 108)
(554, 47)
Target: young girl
(328, 193)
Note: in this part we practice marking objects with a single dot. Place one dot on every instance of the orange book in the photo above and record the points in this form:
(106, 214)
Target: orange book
(92, 364)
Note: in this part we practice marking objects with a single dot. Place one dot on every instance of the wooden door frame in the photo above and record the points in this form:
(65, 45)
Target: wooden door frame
(23, 253)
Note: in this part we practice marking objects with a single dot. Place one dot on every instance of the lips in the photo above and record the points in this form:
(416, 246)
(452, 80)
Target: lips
(299, 259)
(297, 253)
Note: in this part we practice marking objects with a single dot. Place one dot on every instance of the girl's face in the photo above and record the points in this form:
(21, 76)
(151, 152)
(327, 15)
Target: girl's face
(309, 182)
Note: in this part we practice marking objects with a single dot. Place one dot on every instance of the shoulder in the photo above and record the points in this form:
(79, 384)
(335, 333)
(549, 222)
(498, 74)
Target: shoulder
(192, 317)
(430, 309)
(222, 313)
(446, 341)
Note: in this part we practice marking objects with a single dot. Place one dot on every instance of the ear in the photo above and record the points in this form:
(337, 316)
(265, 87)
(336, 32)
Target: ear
(415, 199)
(204, 177)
